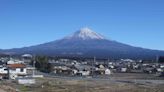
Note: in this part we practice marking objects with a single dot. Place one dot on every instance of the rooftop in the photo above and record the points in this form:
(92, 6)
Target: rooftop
(16, 65)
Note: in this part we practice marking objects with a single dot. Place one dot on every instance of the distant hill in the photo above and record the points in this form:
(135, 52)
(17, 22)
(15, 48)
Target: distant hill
(86, 43)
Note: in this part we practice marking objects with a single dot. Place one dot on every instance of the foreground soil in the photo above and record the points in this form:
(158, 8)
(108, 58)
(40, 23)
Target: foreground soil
(114, 83)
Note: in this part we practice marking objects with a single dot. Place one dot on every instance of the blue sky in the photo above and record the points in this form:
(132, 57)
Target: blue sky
(30, 22)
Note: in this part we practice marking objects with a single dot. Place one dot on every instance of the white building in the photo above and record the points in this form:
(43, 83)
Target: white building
(12, 61)
(27, 58)
(16, 70)
(3, 72)
(26, 81)
(108, 72)
(84, 73)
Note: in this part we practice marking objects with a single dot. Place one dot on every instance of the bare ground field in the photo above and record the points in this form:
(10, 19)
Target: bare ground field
(116, 83)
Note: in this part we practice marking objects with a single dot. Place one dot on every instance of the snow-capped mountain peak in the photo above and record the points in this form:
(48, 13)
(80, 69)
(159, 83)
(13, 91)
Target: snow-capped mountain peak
(85, 33)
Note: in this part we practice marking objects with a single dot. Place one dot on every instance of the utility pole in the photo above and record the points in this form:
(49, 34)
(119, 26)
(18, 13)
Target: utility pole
(157, 59)
(33, 72)
(94, 59)
(108, 60)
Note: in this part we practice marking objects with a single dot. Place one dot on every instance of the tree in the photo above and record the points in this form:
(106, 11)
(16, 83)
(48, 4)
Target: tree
(42, 64)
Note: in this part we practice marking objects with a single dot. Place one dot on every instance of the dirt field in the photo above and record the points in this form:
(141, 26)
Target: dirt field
(1, 90)
(114, 83)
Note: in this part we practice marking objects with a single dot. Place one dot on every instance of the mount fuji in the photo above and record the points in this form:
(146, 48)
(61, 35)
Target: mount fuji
(87, 43)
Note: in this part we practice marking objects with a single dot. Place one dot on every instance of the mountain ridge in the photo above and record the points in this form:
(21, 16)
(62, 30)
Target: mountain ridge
(86, 43)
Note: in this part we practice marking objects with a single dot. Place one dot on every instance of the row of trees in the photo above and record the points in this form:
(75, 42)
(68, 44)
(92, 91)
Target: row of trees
(42, 63)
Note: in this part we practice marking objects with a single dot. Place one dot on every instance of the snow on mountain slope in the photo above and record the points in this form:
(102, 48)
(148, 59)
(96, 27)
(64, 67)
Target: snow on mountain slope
(85, 34)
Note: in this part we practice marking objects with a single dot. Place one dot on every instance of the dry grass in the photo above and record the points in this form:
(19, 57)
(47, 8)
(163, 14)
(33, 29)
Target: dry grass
(59, 85)
(88, 85)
